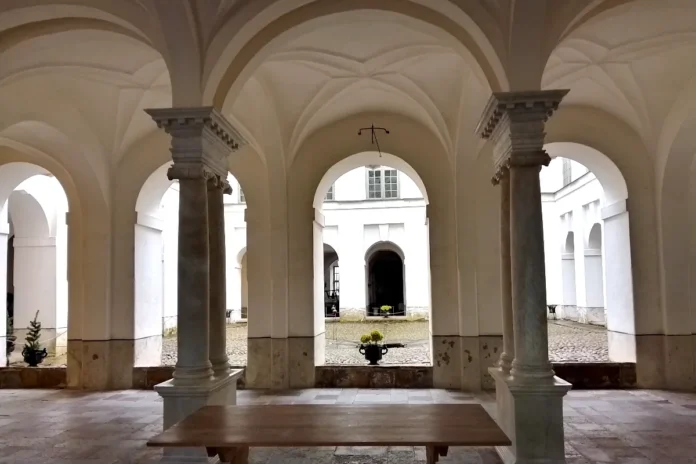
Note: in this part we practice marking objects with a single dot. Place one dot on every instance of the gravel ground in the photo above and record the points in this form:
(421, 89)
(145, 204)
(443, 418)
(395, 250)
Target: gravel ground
(568, 341)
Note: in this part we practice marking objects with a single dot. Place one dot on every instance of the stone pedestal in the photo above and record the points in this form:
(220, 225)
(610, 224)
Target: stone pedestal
(532, 417)
(180, 401)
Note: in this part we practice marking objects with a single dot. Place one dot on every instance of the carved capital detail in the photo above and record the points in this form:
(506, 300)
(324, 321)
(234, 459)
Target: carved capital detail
(514, 122)
(219, 182)
(189, 171)
(199, 135)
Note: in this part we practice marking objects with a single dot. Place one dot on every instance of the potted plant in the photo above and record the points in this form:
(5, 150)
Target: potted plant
(371, 347)
(385, 310)
(33, 353)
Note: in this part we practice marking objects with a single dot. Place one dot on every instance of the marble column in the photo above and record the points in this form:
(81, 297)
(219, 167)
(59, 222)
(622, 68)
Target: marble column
(217, 187)
(202, 140)
(508, 353)
(529, 396)
(193, 274)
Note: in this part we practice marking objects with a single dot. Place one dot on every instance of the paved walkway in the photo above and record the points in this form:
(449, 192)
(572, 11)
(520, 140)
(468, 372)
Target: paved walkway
(74, 427)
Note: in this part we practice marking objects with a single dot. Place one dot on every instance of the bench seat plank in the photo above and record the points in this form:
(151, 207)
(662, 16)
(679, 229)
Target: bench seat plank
(335, 425)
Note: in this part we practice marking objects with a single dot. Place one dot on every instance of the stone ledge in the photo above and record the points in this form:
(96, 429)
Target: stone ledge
(33, 377)
(374, 377)
(607, 375)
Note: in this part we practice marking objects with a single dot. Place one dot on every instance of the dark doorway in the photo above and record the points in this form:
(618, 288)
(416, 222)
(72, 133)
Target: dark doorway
(385, 284)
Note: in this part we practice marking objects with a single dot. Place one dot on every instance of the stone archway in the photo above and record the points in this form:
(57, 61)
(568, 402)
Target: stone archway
(385, 272)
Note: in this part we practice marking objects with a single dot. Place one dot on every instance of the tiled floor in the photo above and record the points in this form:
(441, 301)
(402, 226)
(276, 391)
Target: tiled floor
(41, 426)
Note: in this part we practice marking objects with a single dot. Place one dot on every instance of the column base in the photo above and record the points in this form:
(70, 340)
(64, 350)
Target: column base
(532, 417)
(282, 363)
(463, 362)
(180, 401)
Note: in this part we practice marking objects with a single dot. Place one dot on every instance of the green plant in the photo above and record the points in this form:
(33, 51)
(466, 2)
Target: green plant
(385, 308)
(11, 337)
(34, 334)
(372, 338)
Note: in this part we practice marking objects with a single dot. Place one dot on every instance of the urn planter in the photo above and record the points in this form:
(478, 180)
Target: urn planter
(373, 353)
(34, 357)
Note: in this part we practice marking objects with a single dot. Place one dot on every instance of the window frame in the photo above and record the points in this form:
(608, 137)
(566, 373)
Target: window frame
(382, 173)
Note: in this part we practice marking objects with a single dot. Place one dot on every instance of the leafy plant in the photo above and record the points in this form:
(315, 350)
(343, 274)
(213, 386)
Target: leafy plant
(385, 308)
(11, 337)
(34, 334)
(372, 338)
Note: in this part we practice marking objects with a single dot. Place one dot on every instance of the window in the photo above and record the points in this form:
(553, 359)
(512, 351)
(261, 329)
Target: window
(330, 194)
(382, 183)
(242, 198)
(567, 172)
(335, 279)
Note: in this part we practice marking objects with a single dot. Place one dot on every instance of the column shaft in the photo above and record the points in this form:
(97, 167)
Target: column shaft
(193, 295)
(218, 295)
(508, 353)
(528, 275)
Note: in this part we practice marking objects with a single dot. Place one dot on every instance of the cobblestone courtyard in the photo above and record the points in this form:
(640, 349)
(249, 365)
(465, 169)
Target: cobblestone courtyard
(568, 341)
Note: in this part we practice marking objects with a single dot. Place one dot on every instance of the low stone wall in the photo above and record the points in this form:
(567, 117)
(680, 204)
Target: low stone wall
(374, 377)
(581, 375)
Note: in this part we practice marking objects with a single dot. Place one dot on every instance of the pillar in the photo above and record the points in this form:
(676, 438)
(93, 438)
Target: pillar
(201, 141)
(529, 396)
(217, 187)
(508, 353)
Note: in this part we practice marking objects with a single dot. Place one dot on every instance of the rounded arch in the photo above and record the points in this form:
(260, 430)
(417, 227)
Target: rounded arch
(366, 158)
(616, 140)
(128, 18)
(419, 148)
(384, 245)
(608, 174)
(29, 219)
(231, 63)
(569, 243)
(594, 239)
(152, 191)
(240, 256)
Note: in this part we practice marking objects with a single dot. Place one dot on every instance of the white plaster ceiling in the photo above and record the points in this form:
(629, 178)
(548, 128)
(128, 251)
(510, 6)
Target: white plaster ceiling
(91, 84)
(633, 62)
(359, 62)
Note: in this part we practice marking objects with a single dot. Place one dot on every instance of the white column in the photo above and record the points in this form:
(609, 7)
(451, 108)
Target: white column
(148, 290)
(217, 187)
(530, 397)
(35, 286)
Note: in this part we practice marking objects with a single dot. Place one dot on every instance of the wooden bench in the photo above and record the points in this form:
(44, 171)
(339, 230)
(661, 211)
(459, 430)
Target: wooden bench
(229, 431)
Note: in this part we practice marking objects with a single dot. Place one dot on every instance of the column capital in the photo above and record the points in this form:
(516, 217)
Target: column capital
(199, 136)
(218, 182)
(514, 122)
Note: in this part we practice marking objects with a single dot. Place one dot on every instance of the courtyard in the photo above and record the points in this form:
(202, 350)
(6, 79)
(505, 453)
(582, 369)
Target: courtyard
(568, 342)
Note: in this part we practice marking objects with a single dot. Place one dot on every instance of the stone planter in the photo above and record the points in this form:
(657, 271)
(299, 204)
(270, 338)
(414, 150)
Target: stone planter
(34, 357)
(373, 353)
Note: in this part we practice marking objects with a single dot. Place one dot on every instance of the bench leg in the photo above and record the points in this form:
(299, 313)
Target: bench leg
(433, 453)
(237, 455)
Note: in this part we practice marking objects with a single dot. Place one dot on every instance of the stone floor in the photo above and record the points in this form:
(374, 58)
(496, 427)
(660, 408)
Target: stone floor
(73, 427)
(568, 341)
